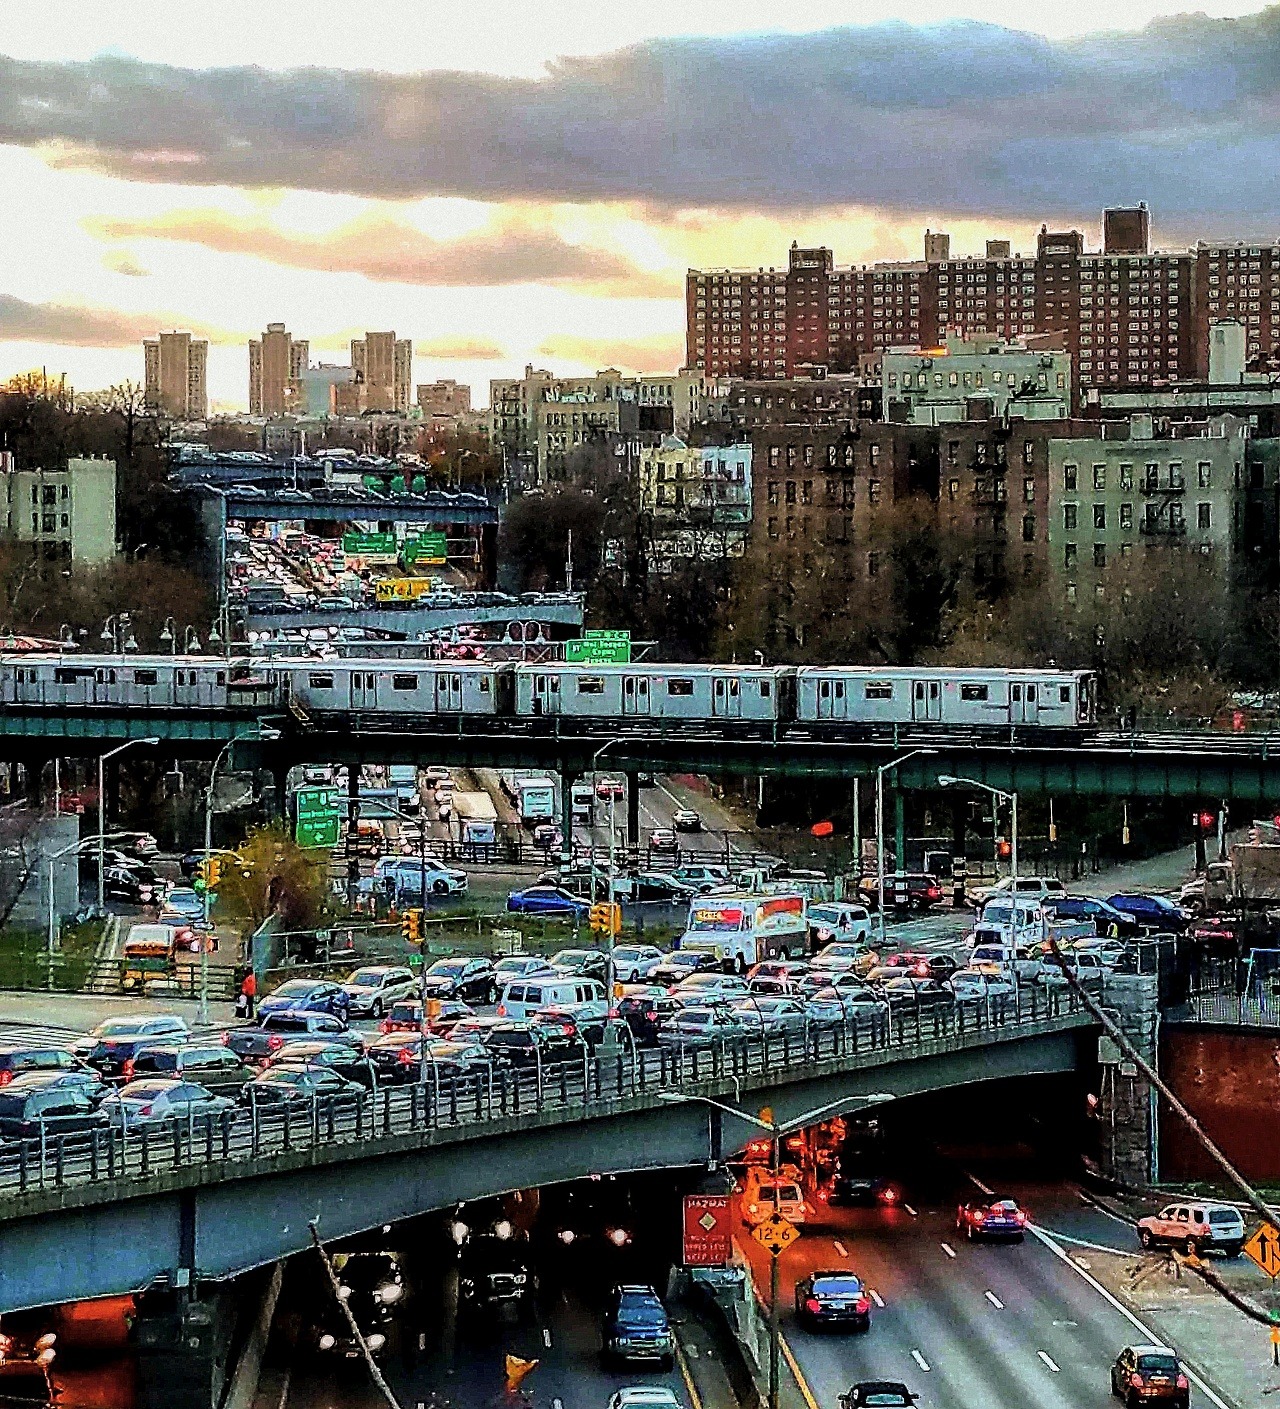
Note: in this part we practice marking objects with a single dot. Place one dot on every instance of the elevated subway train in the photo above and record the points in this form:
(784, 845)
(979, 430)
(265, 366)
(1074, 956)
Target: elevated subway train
(823, 700)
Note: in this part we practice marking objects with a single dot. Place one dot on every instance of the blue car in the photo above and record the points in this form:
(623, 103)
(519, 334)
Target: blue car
(1108, 919)
(1152, 911)
(547, 900)
(306, 995)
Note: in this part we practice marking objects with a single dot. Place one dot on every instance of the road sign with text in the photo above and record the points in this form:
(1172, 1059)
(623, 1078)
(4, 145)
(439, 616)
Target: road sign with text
(318, 821)
(708, 1230)
(1264, 1248)
(775, 1233)
(599, 648)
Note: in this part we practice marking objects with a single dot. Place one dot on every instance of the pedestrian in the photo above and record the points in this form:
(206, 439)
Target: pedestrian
(249, 992)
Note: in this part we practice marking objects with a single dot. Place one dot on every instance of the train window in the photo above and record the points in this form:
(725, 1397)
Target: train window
(484, 684)
(681, 686)
(719, 689)
(644, 687)
(733, 688)
(555, 684)
(65, 677)
(1064, 694)
(878, 691)
(145, 677)
(974, 693)
(839, 689)
(764, 689)
(591, 684)
(404, 682)
(1015, 692)
(824, 689)
(320, 682)
(222, 677)
(1031, 693)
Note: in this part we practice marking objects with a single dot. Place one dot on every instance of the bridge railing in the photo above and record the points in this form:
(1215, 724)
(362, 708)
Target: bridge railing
(1235, 993)
(132, 1154)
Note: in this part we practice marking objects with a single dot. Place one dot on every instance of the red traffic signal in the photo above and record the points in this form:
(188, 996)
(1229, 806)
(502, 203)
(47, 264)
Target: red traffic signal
(1003, 849)
(822, 829)
(1206, 821)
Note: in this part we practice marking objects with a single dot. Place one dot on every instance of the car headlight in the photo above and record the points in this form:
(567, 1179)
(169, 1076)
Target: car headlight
(375, 1341)
(391, 1292)
(327, 1342)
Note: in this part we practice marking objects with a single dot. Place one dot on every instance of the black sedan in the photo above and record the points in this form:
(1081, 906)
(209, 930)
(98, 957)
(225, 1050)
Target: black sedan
(291, 1083)
(470, 980)
(918, 994)
(994, 1218)
(878, 1394)
(341, 1057)
(837, 1299)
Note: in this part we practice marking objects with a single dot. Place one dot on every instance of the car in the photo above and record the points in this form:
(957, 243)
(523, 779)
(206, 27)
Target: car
(495, 1276)
(410, 879)
(836, 1299)
(397, 1058)
(846, 954)
(18, 1057)
(703, 878)
(991, 1218)
(350, 1064)
(677, 966)
(1153, 912)
(205, 1061)
(636, 1327)
(663, 839)
(1150, 1374)
(765, 1193)
(548, 900)
(529, 1042)
(905, 890)
(140, 844)
(772, 1016)
(469, 980)
(307, 995)
(877, 1394)
(406, 1016)
(185, 902)
(776, 975)
(644, 1397)
(121, 884)
(655, 885)
(294, 1083)
(710, 988)
(548, 837)
(916, 993)
(939, 966)
(644, 1008)
(255, 1042)
(109, 1046)
(31, 1107)
(838, 1007)
(856, 1182)
(976, 987)
(372, 1290)
(837, 920)
(633, 963)
(161, 1101)
(1194, 1225)
(584, 963)
(1106, 917)
(518, 966)
(685, 819)
(1047, 889)
(700, 1027)
(375, 988)
(611, 788)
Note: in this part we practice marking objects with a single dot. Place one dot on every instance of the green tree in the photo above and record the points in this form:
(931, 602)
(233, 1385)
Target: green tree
(272, 875)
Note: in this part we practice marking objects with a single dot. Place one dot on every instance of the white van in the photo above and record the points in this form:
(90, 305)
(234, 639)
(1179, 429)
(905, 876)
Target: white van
(525, 997)
(583, 798)
(765, 1193)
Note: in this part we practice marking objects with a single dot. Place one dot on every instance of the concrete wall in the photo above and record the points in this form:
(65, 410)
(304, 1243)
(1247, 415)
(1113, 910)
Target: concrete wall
(1230, 1080)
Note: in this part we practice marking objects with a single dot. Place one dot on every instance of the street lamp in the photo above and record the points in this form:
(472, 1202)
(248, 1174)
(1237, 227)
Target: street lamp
(880, 772)
(595, 763)
(264, 734)
(167, 635)
(946, 780)
(102, 806)
(776, 1131)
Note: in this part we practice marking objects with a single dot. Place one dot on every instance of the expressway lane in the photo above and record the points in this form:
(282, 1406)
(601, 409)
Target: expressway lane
(968, 1326)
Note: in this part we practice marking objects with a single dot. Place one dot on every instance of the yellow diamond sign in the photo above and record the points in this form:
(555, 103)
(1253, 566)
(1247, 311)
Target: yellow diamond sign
(1264, 1248)
(775, 1233)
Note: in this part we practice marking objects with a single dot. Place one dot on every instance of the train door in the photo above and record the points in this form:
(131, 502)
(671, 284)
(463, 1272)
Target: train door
(926, 701)
(1024, 704)
(635, 694)
(825, 693)
(726, 699)
(448, 692)
(104, 686)
(546, 694)
(364, 689)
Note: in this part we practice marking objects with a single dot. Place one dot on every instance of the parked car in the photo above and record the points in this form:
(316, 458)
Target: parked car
(636, 1327)
(372, 990)
(210, 1064)
(30, 1107)
(837, 1299)
(308, 995)
(633, 963)
(110, 1045)
(291, 1083)
(701, 879)
(1150, 1374)
(467, 980)
(516, 966)
(255, 1042)
(1153, 912)
(551, 900)
(160, 1101)
(1194, 1225)
(663, 839)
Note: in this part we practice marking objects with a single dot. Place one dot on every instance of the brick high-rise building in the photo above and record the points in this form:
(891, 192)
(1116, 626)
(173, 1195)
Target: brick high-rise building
(1128, 315)
(384, 365)
(276, 365)
(176, 367)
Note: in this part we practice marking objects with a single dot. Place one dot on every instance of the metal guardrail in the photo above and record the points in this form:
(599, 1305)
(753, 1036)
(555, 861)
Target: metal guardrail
(105, 976)
(130, 1158)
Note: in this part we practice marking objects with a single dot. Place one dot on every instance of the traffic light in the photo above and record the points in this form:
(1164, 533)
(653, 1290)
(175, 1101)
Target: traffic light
(213, 871)
(600, 917)
(411, 926)
(1206, 821)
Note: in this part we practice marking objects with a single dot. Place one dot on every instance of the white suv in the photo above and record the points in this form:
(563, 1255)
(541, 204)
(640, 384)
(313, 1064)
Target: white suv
(1040, 888)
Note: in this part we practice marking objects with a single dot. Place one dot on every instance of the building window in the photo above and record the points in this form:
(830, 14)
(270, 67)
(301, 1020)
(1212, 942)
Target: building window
(1204, 516)
(1070, 474)
(1100, 477)
(806, 492)
(873, 491)
(773, 527)
(1126, 476)
(1029, 528)
(1028, 452)
(1204, 474)
(1069, 555)
(1070, 517)
(873, 564)
(1029, 490)
(1100, 516)
(791, 491)
(1126, 517)
(773, 491)
(1099, 555)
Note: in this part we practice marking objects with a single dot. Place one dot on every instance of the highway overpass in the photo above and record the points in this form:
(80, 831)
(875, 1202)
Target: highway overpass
(88, 1216)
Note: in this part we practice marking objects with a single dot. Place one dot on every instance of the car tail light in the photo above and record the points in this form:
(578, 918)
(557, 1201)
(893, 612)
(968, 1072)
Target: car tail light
(823, 1195)
(977, 1215)
(567, 1029)
(862, 1306)
(502, 1010)
(921, 971)
(145, 1110)
(1183, 1382)
(385, 1025)
(226, 1039)
(127, 1070)
(405, 1056)
(5, 1078)
(813, 1305)
(1020, 1217)
(1136, 1381)
(888, 1196)
(274, 1043)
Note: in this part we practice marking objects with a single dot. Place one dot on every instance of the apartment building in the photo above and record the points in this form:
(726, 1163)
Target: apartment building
(734, 407)
(383, 366)
(175, 376)
(277, 362)
(67, 515)
(444, 398)
(1133, 489)
(973, 378)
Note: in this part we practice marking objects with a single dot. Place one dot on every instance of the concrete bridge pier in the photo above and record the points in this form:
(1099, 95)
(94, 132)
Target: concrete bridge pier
(567, 780)
(1128, 1136)
(183, 1344)
(633, 810)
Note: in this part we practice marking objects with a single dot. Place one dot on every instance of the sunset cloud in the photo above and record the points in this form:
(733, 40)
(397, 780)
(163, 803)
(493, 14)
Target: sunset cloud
(1185, 112)
(21, 321)
(660, 354)
(511, 251)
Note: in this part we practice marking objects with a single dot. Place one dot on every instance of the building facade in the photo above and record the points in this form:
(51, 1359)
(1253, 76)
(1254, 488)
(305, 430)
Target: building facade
(383, 366)
(444, 398)
(175, 376)
(67, 515)
(973, 379)
(276, 364)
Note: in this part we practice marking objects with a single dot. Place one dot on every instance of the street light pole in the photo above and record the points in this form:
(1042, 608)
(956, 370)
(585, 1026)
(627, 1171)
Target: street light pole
(880, 772)
(946, 780)
(102, 809)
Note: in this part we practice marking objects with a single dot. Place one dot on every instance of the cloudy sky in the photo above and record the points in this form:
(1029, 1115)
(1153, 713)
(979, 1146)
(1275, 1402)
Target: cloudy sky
(528, 180)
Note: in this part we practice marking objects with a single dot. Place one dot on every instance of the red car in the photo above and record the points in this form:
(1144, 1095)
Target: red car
(998, 1218)
(939, 966)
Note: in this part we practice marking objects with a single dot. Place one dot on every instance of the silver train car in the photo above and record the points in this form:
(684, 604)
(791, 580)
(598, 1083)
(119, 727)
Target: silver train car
(690, 692)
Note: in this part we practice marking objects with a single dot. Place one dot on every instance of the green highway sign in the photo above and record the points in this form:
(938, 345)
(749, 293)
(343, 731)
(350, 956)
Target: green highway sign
(362, 544)
(318, 818)
(426, 548)
(599, 648)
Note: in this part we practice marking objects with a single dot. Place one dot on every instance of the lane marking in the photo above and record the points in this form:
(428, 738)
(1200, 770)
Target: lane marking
(994, 1300)
(1084, 1243)
(1044, 1355)
(910, 1210)
(546, 1336)
(1114, 1302)
(801, 1383)
(1087, 1199)
(840, 1248)
(1080, 1261)
(980, 1186)
(920, 1360)
(876, 1297)
(695, 1399)
(948, 1249)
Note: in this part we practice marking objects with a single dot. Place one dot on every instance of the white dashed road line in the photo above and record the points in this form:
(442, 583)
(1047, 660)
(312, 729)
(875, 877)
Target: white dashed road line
(876, 1297)
(910, 1210)
(994, 1300)
(840, 1248)
(948, 1249)
(1044, 1355)
(920, 1360)
(546, 1336)
(981, 1187)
